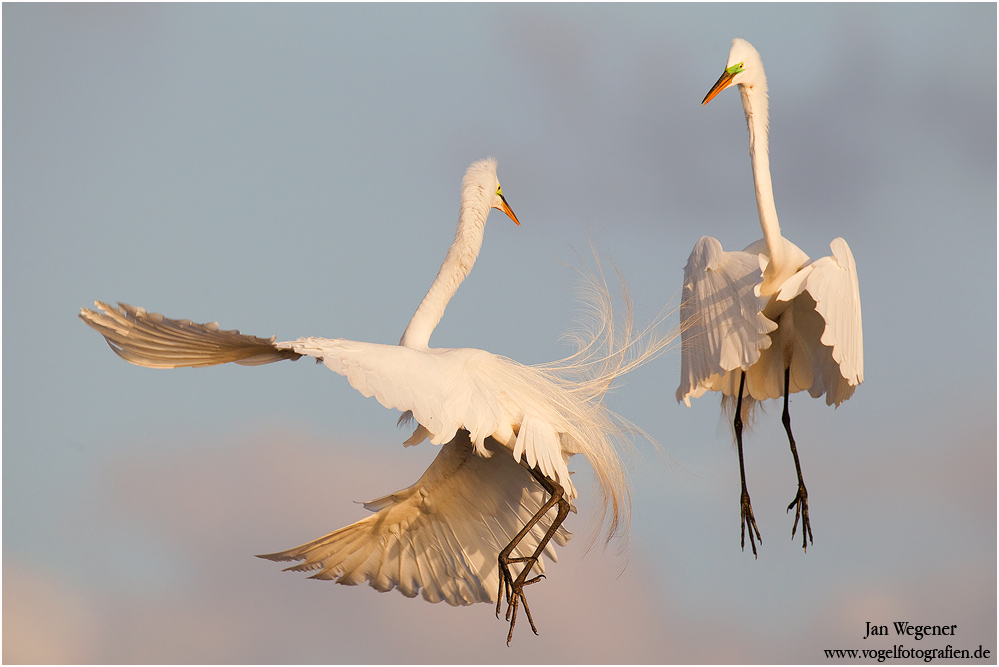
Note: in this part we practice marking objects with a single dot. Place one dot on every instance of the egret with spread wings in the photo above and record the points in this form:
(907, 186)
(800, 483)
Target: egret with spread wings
(766, 322)
(473, 528)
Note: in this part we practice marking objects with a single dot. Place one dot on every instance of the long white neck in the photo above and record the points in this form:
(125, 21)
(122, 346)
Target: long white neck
(457, 264)
(755, 103)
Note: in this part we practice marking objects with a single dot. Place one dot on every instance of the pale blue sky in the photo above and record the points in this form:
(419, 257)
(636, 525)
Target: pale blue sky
(294, 170)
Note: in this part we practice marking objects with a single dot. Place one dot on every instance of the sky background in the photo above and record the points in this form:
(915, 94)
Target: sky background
(294, 170)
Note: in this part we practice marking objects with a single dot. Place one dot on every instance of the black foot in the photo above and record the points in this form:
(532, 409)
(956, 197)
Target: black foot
(747, 517)
(800, 503)
(513, 590)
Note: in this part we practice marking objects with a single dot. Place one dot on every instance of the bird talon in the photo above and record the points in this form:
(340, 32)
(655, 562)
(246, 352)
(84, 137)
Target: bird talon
(519, 598)
(748, 518)
(800, 503)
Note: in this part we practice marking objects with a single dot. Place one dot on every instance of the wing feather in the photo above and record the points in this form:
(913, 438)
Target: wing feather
(151, 340)
(833, 285)
(723, 327)
(440, 536)
(448, 390)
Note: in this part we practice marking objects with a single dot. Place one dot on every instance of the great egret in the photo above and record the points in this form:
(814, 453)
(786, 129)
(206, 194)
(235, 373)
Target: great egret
(507, 431)
(767, 322)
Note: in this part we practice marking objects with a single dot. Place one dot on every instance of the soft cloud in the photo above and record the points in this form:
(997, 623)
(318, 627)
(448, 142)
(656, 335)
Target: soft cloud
(46, 619)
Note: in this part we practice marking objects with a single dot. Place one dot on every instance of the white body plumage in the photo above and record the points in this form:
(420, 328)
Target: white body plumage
(442, 535)
(767, 322)
(768, 307)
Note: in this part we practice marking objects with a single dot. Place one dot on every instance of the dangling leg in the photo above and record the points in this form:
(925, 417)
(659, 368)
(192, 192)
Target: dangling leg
(801, 500)
(514, 588)
(747, 508)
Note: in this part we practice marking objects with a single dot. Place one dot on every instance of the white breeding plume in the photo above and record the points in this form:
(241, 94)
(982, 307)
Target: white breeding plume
(481, 510)
(767, 322)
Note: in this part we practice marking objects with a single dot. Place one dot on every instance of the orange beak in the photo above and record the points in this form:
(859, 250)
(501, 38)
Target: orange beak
(723, 82)
(503, 206)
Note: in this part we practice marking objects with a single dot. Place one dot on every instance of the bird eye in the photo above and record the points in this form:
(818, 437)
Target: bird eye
(499, 190)
(735, 69)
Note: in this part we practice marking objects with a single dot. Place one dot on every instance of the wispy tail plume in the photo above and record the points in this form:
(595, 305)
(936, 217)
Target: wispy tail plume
(606, 349)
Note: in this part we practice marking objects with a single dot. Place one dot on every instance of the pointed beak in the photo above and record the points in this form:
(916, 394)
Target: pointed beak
(723, 82)
(503, 206)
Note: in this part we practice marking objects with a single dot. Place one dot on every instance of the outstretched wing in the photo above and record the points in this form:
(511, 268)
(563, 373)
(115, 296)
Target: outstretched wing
(832, 283)
(451, 389)
(723, 328)
(149, 339)
(442, 535)
(446, 390)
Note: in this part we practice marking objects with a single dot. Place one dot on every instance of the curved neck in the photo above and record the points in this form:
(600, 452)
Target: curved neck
(457, 264)
(755, 103)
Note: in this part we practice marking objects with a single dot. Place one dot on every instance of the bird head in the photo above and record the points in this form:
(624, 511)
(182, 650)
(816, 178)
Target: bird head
(481, 182)
(744, 68)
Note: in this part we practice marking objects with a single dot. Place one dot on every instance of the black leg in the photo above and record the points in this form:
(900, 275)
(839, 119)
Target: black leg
(747, 507)
(514, 587)
(800, 502)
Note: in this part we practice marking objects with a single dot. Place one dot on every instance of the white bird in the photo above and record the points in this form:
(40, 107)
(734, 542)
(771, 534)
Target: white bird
(507, 432)
(767, 322)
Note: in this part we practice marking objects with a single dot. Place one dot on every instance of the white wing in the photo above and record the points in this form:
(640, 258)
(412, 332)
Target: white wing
(451, 389)
(442, 388)
(832, 283)
(441, 535)
(446, 390)
(151, 340)
(722, 327)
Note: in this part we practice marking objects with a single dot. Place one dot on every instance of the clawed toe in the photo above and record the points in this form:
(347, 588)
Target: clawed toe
(515, 597)
(800, 503)
(747, 517)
